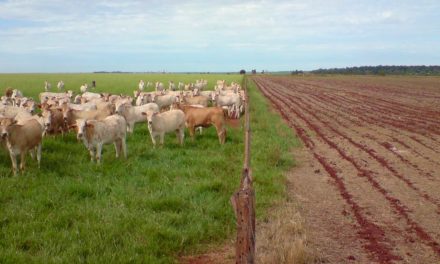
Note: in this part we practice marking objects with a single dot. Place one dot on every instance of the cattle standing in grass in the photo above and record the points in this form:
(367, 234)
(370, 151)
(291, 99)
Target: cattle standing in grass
(20, 139)
(197, 117)
(141, 85)
(96, 133)
(70, 115)
(53, 121)
(165, 101)
(159, 87)
(48, 95)
(161, 123)
(133, 114)
(84, 88)
(196, 100)
(171, 86)
(60, 85)
(231, 101)
(8, 92)
(180, 86)
(47, 86)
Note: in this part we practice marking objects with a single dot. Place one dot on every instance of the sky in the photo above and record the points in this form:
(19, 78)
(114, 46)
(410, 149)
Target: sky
(210, 36)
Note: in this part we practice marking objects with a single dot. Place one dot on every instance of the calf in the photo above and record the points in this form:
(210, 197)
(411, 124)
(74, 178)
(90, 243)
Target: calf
(161, 123)
(95, 133)
(20, 139)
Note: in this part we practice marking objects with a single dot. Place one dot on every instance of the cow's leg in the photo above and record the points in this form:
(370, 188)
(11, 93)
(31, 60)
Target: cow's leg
(162, 136)
(92, 153)
(153, 139)
(117, 144)
(124, 147)
(39, 154)
(23, 160)
(192, 131)
(181, 134)
(131, 127)
(14, 162)
(98, 153)
(222, 135)
(32, 153)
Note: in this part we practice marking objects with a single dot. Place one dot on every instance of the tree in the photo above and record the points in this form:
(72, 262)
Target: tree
(242, 71)
(254, 71)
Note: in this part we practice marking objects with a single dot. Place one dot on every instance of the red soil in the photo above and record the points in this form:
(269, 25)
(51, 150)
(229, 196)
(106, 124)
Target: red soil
(374, 143)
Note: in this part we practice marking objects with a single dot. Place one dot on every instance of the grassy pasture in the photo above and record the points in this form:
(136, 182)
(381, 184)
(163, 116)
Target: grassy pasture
(151, 208)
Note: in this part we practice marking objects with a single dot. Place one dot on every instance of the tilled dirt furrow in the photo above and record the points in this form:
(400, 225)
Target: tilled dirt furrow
(362, 116)
(345, 151)
(337, 119)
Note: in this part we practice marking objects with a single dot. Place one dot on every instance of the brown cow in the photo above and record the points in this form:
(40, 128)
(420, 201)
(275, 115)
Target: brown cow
(204, 117)
(20, 139)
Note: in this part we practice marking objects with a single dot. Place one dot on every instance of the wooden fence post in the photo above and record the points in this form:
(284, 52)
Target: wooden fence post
(243, 200)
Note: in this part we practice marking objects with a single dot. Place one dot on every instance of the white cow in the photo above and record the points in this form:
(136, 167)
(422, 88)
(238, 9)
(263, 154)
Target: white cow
(141, 85)
(169, 121)
(48, 95)
(232, 102)
(47, 86)
(90, 95)
(159, 87)
(171, 86)
(84, 88)
(95, 133)
(166, 100)
(180, 86)
(60, 85)
(133, 114)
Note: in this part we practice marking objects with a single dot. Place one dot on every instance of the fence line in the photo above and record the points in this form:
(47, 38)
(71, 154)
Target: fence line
(243, 200)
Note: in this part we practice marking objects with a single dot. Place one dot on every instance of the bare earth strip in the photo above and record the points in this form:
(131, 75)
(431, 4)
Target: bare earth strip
(369, 181)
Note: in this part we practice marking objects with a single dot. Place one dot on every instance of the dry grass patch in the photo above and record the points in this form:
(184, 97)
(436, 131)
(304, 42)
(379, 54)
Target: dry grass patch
(282, 238)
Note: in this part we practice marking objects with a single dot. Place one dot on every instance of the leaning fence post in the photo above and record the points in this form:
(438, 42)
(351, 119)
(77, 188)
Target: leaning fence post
(243, 200)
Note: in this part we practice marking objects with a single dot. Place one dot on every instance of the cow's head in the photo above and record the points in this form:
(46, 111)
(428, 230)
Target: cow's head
(4, 124)
(81, 128)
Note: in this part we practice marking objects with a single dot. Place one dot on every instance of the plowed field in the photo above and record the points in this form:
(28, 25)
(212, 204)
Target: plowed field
(371, 190)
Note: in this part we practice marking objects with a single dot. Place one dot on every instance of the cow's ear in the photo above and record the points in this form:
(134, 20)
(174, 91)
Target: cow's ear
(89, 125)
(39, 106)
(73, 126)
(143, 113)
(14, 122)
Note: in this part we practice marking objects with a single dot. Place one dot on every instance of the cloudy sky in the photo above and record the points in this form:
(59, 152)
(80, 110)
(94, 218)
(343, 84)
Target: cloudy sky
(144, 35)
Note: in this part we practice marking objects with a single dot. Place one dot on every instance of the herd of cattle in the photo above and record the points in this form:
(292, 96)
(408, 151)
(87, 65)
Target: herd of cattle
(104, 118)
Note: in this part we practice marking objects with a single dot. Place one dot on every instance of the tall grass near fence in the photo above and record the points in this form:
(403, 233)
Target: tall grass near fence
(271, 146)
(151, 208)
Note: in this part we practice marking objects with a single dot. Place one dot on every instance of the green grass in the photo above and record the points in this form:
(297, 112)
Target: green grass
(151, 208)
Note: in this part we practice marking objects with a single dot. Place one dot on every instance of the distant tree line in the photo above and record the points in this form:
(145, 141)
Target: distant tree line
(383, 70)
